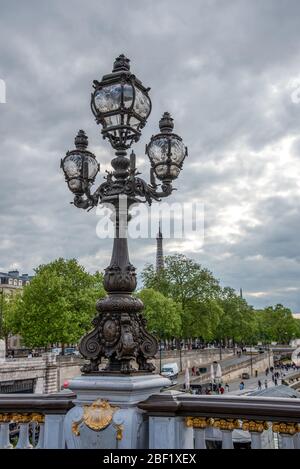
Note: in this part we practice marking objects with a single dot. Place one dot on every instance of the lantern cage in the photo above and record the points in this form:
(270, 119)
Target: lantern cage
(121, 104)
(80, 166)
(166, 151)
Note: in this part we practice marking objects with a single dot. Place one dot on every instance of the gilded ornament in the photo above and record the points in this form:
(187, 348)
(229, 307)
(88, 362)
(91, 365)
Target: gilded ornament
(286, 428)
(38, 418)
(198, 422)
(21, 418)
(97, 416)
(5, 418)
(255, 426)
(119, 434)
(226, 424)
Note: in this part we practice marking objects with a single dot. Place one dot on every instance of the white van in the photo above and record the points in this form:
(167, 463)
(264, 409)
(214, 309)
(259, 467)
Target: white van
(170, 370)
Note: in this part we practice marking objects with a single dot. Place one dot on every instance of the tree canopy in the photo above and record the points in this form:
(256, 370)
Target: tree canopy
(215, 313)
(162, 313)
(58, 304)
(183, 300)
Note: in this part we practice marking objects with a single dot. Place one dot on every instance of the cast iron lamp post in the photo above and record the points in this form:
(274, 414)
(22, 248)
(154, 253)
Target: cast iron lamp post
(121, 104)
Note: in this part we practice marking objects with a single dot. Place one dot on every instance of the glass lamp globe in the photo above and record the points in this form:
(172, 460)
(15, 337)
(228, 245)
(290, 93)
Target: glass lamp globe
(120, 103)
(166, 151)
(80, 166)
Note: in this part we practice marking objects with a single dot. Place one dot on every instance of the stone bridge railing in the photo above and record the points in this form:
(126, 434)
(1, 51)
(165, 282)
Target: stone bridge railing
(227, 422)
(33, 420)
(174, 420)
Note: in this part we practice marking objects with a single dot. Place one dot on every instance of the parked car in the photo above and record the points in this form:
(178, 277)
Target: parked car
(170, 370)
(245, 376)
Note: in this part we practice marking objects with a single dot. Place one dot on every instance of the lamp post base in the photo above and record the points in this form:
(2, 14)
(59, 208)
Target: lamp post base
(106, 415)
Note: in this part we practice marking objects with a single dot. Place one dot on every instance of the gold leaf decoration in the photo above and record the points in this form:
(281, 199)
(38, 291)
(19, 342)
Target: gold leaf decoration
(98, 415)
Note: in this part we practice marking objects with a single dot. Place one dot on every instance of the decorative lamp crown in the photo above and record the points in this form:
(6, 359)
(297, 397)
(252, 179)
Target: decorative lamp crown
(121, 104)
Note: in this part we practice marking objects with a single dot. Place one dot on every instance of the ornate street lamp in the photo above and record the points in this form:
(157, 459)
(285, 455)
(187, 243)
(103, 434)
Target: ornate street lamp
(121, 104)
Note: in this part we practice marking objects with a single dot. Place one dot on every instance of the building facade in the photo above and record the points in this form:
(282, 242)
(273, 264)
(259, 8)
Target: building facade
(10, 283)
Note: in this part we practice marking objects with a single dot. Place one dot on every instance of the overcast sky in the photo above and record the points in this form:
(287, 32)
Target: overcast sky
(227, 70)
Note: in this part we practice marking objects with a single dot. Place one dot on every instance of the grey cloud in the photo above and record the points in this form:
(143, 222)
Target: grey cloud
(223, 69)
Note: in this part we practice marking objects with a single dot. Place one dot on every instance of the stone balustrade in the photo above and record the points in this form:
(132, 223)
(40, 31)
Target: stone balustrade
(181, 421)
(174, 420)
(33, 420)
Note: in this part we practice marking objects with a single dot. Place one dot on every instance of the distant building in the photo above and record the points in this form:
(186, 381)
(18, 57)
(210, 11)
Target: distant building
(10, 283)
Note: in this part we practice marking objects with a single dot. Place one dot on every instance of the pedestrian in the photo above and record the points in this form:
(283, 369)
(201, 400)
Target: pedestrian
(222, 390)
(259, 384)
(273, 378)
(267, 371)
(242, 385)
(266, 383)
(227, 387)
(275, 381)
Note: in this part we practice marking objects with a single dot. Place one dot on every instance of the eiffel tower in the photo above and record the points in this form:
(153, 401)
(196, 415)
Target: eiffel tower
(159, 251)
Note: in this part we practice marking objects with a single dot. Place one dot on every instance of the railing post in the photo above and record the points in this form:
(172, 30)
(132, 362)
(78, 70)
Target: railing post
(287, 433)
(227, 442)
(199, 424)
(4, 436)
(23, 441)
(256, 429)
(226, 426)
(169, 433)
(199, 438)
(287, 441)
(54, 437)
(297, 441)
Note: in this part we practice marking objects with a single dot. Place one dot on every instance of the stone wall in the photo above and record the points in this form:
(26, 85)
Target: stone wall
(191, 358)
(27, 368)
(232, 372)
(48, 371)
(51, 371)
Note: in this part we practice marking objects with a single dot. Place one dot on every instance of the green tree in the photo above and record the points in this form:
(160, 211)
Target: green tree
(58, 305)
(182, 279)
(194, 288)
(163, 314)
(276, 323)
(238, 322)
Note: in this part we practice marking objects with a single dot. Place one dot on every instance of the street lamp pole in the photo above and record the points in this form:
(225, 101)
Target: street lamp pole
(121, 104)
(160, 356)
(180, 355)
